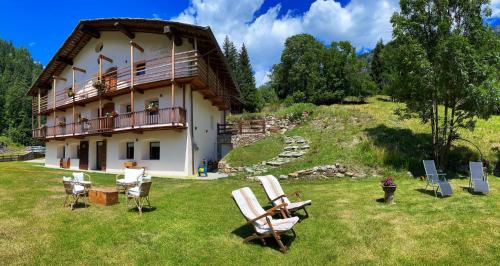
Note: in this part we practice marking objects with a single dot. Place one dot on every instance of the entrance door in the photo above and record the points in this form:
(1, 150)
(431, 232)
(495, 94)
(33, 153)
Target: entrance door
(101, 155)
(108, 121)
(84, 155)
(110, 78)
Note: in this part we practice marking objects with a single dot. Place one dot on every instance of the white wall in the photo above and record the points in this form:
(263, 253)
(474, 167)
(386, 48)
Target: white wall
(176, 148)
(205, 122)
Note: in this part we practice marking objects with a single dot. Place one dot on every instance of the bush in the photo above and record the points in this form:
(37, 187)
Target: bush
(295, 111)
(244, 116)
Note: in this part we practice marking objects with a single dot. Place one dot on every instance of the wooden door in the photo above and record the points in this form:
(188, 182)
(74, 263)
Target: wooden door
(110, 78)
(101, 155)
(107, 122)
(84, 155)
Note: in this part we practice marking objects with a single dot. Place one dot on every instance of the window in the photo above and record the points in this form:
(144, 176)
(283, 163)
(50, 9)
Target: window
(128, 108)
(140, 69)
(154, 150)
(130, 150)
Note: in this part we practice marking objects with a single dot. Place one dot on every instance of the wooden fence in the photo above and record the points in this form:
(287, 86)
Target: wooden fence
(243, 127)
(21, 157)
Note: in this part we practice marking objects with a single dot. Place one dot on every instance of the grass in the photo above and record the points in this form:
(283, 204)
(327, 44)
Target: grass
(196, 222)
(370, 138)
(262, 150)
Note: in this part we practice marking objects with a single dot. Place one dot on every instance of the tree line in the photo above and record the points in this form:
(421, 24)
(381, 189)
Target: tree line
(17, 72)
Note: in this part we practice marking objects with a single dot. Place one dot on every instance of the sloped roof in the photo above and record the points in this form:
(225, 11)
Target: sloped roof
(81, 36)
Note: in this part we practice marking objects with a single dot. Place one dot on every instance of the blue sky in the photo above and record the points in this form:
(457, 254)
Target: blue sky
(263, 25)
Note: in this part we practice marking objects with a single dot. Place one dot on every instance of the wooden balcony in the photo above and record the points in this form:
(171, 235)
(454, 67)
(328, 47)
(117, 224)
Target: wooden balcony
(166, 118)
(150, 73)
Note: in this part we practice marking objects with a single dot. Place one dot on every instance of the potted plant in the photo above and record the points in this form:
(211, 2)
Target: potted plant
(389, 188)
(99, 85)
(111, 114)
(70, 92)
(61, 123)
(151, 107)
(82, 120)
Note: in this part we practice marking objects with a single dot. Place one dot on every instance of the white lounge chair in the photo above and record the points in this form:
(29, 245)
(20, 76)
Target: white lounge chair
(74, 192)
(79, 178)
(478, 181)
(140, 194)
(261, 220)
(437, 181)
(277, 196)
(129, 178)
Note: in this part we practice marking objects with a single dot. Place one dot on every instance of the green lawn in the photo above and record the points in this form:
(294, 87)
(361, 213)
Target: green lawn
(196, 222)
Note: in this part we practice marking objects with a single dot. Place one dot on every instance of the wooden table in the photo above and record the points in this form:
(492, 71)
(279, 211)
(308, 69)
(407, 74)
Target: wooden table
(103, 196)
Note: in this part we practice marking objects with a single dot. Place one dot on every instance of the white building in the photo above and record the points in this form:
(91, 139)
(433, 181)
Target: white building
(133, 91)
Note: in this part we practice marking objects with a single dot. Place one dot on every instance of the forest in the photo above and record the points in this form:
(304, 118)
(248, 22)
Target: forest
(18, 71)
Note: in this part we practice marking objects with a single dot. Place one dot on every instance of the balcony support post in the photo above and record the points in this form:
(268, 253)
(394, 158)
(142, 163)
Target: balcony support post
(132, 74)
(99, 115)
(172, 113)
(132, 66)
(54, 104)
(73, 105)
(39, 108)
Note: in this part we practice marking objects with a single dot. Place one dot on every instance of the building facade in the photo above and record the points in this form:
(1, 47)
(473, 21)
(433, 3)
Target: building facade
(133, 93)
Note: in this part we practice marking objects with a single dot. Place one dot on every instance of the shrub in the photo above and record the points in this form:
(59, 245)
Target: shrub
(295, 112)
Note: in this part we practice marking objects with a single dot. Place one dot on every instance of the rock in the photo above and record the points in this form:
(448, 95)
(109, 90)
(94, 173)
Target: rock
(409, 174)
(283, 177)
(350, 174)
(294, 175)
(249, 170)
(339, 175)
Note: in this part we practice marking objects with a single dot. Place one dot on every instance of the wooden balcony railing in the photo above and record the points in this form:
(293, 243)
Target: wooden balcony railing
(243, 127)
(174, 117)
(186, 64)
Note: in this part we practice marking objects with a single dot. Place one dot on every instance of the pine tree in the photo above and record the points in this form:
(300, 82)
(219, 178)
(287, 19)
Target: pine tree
(377, 65)
(249, 96)
(17, 73)
(231, 54)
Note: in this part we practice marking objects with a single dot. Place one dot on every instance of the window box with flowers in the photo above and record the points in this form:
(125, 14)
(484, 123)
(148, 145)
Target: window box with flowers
(100, 86)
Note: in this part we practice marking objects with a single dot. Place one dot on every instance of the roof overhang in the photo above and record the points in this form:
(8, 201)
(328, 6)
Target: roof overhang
(88, 29)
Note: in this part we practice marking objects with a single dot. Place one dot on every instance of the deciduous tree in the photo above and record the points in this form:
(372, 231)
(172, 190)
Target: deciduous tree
(447, 66)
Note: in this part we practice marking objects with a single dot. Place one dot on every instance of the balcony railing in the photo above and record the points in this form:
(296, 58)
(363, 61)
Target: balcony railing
(174, 117)
(186, 64)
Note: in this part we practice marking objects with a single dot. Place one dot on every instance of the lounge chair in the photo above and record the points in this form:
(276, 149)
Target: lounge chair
(74, 192)
(79, 178)
(277, 196)
(140, 195)
(129, 178)
(437, 181)
(262, 221)
(478, 181)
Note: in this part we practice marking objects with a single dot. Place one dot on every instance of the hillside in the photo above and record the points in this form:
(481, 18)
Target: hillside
(369, 138)
(17, 73)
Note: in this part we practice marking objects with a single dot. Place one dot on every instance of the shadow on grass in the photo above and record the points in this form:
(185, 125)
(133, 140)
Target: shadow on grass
(472, 192)
(145, 209)
(405, 150)
(247, 230)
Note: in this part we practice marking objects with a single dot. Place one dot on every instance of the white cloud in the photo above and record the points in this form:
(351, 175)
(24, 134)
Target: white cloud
(31, 44)
(495, 8)
(156, 16)
(363, 22)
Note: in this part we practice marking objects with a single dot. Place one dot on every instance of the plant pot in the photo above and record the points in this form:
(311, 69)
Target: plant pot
(389, 194)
